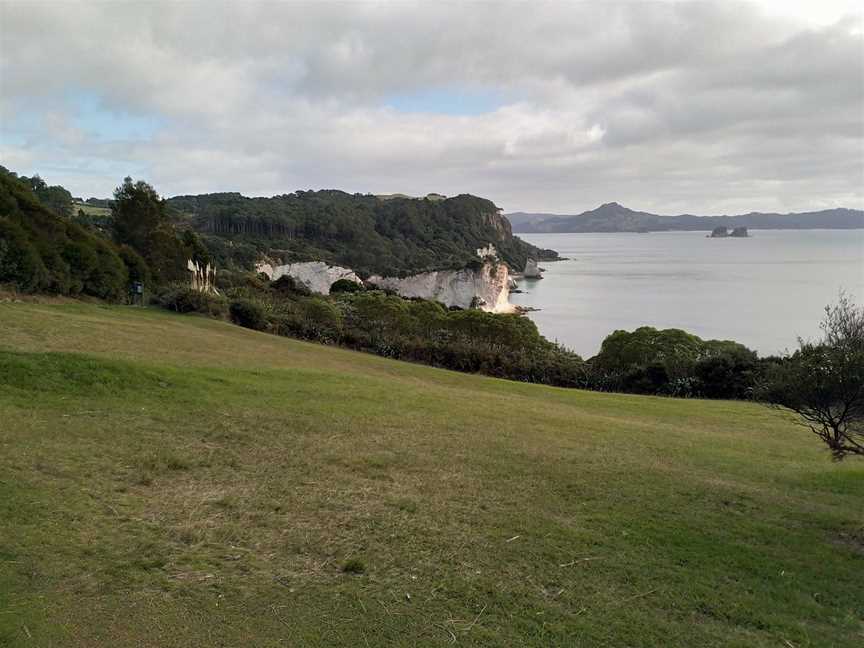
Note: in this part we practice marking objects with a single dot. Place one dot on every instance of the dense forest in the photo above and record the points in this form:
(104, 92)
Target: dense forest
(397, 236)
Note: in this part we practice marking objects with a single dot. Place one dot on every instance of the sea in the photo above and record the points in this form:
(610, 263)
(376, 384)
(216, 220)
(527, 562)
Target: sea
(765, 291)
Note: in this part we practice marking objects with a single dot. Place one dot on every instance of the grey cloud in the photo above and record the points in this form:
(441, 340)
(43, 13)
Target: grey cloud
(700, 107)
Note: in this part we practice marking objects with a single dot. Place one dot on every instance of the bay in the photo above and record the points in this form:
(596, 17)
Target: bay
(763, 291)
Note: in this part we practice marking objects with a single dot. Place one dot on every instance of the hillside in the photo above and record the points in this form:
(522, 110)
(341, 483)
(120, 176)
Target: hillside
(40, 251)
(170, 480)
(612, 217)
(392, 236)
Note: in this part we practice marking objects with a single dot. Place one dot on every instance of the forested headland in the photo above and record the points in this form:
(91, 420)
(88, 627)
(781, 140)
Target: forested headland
(393, 237)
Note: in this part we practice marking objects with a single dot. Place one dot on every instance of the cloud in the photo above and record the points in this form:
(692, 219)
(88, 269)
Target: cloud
(700, 107)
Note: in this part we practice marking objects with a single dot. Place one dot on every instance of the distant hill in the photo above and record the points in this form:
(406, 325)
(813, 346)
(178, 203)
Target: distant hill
(612, 217)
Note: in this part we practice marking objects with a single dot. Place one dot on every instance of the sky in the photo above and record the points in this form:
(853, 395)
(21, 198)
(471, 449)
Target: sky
(663, 106)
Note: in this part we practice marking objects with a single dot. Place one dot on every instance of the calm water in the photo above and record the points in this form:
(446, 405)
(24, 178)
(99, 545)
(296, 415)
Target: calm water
(763, 291)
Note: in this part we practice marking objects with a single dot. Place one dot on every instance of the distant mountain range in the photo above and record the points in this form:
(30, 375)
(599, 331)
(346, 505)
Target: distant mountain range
(613, 217)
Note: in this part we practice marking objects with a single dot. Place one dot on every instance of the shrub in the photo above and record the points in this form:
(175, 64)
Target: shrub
(249, 314)
(822, 383)
(725, 376)
(651, 379)
(323, 319)
(20, 263)
(183, 299)
(287, 285)
(135, 264)
(345, 286)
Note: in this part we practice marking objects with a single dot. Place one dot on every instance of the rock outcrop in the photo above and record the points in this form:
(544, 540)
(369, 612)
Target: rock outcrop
(317, 276)
(486, 288)
(723, 232)
(532, 270)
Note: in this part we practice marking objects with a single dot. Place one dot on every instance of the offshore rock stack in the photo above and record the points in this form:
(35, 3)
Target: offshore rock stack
(532, 270)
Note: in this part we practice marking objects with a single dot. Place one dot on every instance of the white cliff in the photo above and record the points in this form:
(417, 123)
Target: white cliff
(317, 276)
(486, 288)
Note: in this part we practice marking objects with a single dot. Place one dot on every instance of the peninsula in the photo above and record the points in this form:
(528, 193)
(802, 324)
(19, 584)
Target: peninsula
(612, 217)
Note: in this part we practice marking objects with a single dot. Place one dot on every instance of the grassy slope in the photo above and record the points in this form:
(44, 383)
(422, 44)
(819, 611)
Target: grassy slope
(175, 481)
(90, 210)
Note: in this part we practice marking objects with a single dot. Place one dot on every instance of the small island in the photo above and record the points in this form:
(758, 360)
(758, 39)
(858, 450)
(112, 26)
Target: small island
(723, 232)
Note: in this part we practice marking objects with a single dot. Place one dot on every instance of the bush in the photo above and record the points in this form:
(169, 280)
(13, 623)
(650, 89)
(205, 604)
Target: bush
(323, 319)
(823, 382)
(725, 376)
(651, 379)
(287, 285)
(227, 279)
(249, 314)
(135, 264)
(20, 263)
(674, 363)
(110, 278)
(345, 286)
(183, 299)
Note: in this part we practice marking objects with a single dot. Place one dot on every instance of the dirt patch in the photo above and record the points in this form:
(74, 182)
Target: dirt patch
(851, 538)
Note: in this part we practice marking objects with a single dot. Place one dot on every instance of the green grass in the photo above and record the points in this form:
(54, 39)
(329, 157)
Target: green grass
(177, 481)
(90, 210)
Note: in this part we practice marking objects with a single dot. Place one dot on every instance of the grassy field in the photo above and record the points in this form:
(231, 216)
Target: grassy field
(176, 481)
(90, 210)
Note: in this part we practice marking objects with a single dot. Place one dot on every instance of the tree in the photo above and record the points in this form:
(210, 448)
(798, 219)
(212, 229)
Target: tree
(20, 263)
(138, 212)
(674, 348)
(141, 222)
(822, 383)
(55, 198)
(135, 264)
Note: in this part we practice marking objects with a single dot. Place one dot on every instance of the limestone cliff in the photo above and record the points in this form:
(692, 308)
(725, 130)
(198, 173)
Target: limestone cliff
(317, 276)
(486, 287)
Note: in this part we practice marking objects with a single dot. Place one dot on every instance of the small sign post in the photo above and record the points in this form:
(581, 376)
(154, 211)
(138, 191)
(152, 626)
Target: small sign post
(136, 292)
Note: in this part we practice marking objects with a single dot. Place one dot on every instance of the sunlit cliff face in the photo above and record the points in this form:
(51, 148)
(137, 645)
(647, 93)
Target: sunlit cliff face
(486, 288)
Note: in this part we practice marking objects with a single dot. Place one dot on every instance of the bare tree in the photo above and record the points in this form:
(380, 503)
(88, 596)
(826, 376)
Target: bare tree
(823, 382)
